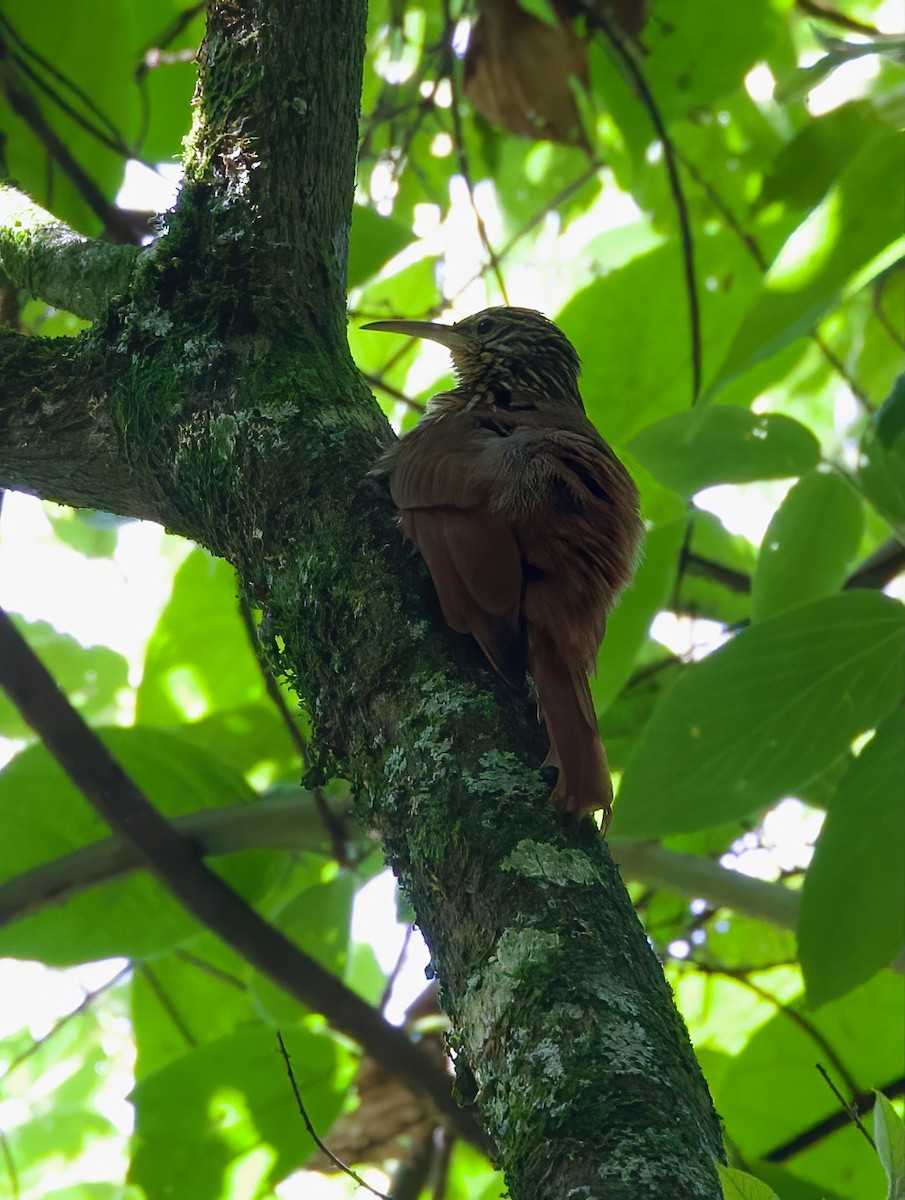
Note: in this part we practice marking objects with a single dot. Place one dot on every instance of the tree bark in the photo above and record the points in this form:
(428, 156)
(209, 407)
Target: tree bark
(215, 393)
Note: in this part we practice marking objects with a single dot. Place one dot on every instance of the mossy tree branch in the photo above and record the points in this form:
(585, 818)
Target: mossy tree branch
(48, 259)
(218, 391)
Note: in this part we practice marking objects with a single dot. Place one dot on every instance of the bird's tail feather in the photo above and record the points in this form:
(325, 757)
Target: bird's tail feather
(575, 745)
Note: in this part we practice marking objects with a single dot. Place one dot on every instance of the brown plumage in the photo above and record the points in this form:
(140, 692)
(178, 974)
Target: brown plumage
(526, 519)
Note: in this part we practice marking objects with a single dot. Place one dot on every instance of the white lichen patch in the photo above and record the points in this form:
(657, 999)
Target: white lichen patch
(489, 996)
(627, 1049)
(502, 772)
(622, 1001)
(633, 1160)
(546, 1054)
(538, 860)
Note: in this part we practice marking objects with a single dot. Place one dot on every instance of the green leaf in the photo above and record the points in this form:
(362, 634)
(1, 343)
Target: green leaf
(889, 1135)
(373, 241)
(790, 1187)
(763, 714)
(852, 919)
(628, 626)
(91, 676)
(865, 1029)
(70, 39)
(247, 738)
(44, 816)
(840, 246)
(204, 986)
(683, 68)
(317, 921)
(631, 327)
(634, 374)
(199, 658)
(739, 1185)
(543, 10)
(809, 546)
(169, 79)
(881, 471)
(93, 534)
(713, 444)
(228, 1106)
(808, 164)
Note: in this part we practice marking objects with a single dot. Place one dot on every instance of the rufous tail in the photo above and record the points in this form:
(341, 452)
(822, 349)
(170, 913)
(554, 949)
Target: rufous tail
(575, 745)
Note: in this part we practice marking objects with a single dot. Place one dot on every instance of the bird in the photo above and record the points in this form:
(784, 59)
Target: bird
(528, 522)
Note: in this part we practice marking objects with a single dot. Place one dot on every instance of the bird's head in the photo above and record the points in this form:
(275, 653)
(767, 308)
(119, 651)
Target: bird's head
(516, 348)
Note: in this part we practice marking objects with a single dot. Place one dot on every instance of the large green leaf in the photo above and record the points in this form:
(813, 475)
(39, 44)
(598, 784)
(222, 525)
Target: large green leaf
(809, 545)
(714, 444)
(852, 920)
(810, 162)
(882, 467)
(199, 658)
(852, 235)
(860, 1035)
(683, 68)
(227, 1107)
(763, 714)
(44, 816)
(91, 676)
(632, 329)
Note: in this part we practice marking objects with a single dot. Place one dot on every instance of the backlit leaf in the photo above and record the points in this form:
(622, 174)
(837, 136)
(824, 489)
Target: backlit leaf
(714, 444)
(852, 920)
(809, 545)
(759, 717)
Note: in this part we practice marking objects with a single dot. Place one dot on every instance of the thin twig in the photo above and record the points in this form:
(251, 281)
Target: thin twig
(839, 367)
(815, 1134)
(396, 393)
(850, 1109)
(897, 336)
(462, 151)
(750, 243)
(836, 18)
(271, 686)
(25, 107)
(628, 56)
(797, 1018)
(334, 827)
(208, 968)
(86, 1003)
(324, 1149)
(724, 210)
(113, 138)
(397, 967)
(167, 1005)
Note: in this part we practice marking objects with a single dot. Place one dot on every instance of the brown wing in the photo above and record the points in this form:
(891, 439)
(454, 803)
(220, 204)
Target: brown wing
(439, 481)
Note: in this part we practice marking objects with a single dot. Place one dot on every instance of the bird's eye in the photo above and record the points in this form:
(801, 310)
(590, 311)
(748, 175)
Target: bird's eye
(484, 325)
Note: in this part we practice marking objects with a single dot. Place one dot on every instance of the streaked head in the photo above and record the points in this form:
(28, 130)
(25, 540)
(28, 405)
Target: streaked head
(517, 347)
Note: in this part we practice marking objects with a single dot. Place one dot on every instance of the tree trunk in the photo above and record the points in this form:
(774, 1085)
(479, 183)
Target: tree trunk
(215, 393)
